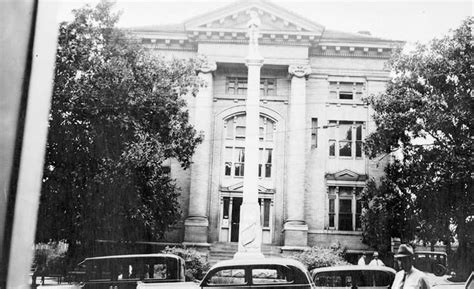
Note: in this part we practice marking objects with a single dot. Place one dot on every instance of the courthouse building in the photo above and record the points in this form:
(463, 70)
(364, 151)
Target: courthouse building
(312, 124)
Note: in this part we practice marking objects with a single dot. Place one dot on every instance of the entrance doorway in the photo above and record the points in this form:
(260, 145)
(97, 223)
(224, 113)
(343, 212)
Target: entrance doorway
(235, 220)
(230, 218)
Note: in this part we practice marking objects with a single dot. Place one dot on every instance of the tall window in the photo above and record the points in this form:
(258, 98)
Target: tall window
(234, 148)
(314, 133)
(238, 85)
(344, 208)
(345, 138)
(345, 90)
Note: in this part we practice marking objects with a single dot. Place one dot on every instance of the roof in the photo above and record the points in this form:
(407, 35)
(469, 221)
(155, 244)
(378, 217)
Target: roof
(275, 20)
(260, 261)
(158, 255)
(430, 252)
(353, 268)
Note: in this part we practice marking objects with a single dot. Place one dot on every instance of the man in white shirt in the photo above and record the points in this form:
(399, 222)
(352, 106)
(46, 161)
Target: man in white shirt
(409, 277)
(362, 260)
(376, 261)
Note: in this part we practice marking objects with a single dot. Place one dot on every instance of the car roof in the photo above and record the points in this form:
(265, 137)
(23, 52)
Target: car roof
(430, 252)
(260, 261)
(353, 268)
(157, 255)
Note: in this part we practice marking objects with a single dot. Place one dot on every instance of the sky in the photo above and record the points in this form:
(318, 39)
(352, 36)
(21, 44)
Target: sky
(411, 21)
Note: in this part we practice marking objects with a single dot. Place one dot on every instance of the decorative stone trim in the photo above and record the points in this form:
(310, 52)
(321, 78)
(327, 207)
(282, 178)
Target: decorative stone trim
(208, 66)
(299, 70)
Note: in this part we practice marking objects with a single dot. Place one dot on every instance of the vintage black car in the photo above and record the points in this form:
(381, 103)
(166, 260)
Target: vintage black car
(258, 273)
(432, 262)
(353, 276)
(128, 271)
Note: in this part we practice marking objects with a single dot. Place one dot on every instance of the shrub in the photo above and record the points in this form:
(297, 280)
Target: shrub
(196, 265)
(317, 257)
(50, 258)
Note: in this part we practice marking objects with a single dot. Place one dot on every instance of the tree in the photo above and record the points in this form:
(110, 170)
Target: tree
(388, 211)
(427, 114)
(117, 114)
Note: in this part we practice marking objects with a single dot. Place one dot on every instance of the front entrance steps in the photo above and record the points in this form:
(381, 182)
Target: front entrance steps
(224, 251)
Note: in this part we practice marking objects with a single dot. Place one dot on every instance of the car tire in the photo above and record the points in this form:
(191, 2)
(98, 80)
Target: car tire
(439, 270)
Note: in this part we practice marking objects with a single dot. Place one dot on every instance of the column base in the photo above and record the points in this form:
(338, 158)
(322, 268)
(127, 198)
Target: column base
(248, 255)
(295, 234)
(196, 229)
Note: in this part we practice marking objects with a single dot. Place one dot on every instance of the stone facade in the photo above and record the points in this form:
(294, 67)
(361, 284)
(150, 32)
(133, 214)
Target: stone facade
(312, 122)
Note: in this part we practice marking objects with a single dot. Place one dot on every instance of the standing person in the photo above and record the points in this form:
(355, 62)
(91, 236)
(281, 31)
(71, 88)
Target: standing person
(376, 261)
(363, 259)
(409, 276)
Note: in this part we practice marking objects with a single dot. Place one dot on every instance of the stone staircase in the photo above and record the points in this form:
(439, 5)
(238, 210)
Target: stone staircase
(225, 251)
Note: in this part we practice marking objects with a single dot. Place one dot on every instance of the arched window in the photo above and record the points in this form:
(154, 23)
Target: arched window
(234, 146)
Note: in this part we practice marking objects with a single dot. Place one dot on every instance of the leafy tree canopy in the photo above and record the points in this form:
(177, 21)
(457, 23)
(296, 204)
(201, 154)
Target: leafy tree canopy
(117, 115)
(426, 114)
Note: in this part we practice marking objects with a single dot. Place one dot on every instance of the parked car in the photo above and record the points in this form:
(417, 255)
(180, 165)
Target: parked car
(258, 273)
(353, 276)
(432, 262)
(134, 271)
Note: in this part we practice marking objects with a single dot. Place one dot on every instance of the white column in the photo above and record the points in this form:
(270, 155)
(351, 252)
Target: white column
(295, 228)
(197, 223)
(250, 230)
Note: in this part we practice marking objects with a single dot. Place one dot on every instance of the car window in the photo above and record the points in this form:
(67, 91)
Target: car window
(331, 279)
(383, 279)
(227, 276)
(277, 275)
(363, 278)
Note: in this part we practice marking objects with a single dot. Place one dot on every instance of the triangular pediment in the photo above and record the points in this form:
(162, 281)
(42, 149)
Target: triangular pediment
(239, 187)
(346, 175)
(236, 16)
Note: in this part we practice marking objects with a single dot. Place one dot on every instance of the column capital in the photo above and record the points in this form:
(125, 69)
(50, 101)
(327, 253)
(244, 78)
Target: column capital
(299, 70)
(207, 67)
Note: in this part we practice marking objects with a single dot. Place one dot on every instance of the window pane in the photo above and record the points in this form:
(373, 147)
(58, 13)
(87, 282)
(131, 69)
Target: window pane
(239, 170)
(345, 222)
(240, 131)
(345, 206)
(345, 149)
(359, 149)
(271, 276)
(332, 148)
(345, 215)
(345, 95)
(230, 128)
(268, 156)
(226, 208)
(314, 132)
(358, 214)
(266, 212)
(268, 171)
(331, 213)
(269, 130)
(240, 155)
(227, 276)
(359, 132)
(227, 168)
(345, 131)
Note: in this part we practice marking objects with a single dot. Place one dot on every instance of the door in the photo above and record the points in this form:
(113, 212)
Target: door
(235, 219)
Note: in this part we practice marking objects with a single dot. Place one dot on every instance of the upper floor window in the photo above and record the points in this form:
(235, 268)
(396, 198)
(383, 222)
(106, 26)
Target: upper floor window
(238, 86)
(345, 138)
(234, 146)
(345, 90)
(345, 208)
